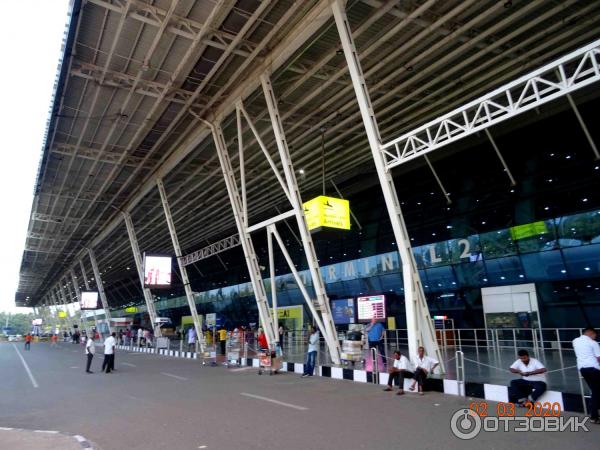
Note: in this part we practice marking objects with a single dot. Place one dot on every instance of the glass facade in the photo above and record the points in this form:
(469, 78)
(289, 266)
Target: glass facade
(561, 255)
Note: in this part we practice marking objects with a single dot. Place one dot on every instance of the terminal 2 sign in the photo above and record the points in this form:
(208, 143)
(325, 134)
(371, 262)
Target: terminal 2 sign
(327, 212)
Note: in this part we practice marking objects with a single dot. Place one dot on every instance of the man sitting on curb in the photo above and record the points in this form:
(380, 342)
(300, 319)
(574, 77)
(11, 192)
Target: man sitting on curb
(532, 383)
(424, 365)
(398, 372)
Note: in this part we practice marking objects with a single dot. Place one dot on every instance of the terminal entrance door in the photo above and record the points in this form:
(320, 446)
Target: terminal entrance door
(511, 316)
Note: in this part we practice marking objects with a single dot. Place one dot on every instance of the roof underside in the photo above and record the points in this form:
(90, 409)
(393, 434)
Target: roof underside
(137, 73)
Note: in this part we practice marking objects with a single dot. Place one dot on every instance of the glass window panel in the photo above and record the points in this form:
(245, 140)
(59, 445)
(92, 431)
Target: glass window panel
(470, 274)
(583, 261)
(542, 240)
(497, 244)
(504, 270)
(391, 282)
(435, 254)
(544, 266)
(465, 249)
(579, 229)
(441, 278)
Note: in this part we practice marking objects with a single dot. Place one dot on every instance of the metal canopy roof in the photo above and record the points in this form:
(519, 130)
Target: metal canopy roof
(137, 73)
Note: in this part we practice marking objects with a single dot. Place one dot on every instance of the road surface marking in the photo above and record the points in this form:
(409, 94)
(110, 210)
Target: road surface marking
(277, 402)
(35, 385)
(128, 364)
(74, 367)
(173, 376)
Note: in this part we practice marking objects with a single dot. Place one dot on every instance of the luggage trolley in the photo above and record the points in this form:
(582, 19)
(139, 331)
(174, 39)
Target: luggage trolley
(268, 361)
(234, 351)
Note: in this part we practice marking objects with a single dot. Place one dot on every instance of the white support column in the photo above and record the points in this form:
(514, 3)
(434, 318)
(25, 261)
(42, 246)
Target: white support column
(63, 298)
(584, 127)
(76, 313)
(513, 182)
(245, 238)
(137, 256)
(82, 320)
(184, 275)
(418, 321)
(329, 331)
(272, 277)
(100, 287)
(439, 182)
(52, 299)
(87, 288)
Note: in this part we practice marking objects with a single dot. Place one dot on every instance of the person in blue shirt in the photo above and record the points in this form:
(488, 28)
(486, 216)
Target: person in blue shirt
(375, 333)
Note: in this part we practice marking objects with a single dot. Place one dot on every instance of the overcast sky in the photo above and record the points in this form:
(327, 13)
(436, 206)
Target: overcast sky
(31, 34)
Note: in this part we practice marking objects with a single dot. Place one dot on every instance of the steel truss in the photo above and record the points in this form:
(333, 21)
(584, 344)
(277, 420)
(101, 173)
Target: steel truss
(86, 283)
(137, 256)
(211, 250)
(288, 183)
(572, 72)
(100, 286)
(177, 248)
(418, 320)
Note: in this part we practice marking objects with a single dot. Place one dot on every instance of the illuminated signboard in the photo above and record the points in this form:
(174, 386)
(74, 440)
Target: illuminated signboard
(342, 311)
(371, 307)
(157, 271)
(528, 230)
(89, 300)
(327, 212)
(131, 309)
(62, 314)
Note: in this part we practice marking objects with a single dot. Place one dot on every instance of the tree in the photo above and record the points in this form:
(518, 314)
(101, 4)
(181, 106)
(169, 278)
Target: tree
(18, 323)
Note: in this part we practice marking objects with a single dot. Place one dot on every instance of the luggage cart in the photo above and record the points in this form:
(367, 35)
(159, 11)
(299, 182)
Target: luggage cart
(209, 355)
(233, 354)
(268, 361)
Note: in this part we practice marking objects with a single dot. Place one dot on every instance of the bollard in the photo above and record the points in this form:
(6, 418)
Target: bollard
(460, 372)
(375, 365)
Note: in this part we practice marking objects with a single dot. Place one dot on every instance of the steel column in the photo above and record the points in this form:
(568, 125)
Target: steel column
(137, 256)
(63, 298)
(184, 275)
(329, 331)
(245, 238)
(100, 287)
(500, 157)
(82, 320)
(87, 288)
(418, 321)
(583, 126)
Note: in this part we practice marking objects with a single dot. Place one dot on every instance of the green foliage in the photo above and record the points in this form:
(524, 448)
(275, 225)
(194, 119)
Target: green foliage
(20, 323)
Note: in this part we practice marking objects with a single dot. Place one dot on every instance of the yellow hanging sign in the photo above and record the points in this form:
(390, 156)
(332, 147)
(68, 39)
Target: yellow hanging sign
(131, 309)
(62, 314)
(327, 212)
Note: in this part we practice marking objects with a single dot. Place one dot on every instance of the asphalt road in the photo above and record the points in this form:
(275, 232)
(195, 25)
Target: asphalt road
(154, 402)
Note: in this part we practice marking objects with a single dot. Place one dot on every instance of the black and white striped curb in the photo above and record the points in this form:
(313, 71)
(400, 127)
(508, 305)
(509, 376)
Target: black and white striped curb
(80, 439)
(493, 392)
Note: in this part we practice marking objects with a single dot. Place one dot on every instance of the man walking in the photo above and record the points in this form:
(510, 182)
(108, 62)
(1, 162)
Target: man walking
(28, 341)
(90, 350)
(587, 351)
(109, 353)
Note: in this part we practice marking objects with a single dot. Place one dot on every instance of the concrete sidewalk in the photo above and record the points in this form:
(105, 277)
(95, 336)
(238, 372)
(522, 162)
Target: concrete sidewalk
(42, 440)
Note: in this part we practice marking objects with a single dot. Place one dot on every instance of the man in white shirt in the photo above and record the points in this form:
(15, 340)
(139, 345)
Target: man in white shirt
(311, 354)
(90, 350)
(587, 351)
(400, 370)
(191, 339)
(424, 365)
(532, 383)
(109, 353)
